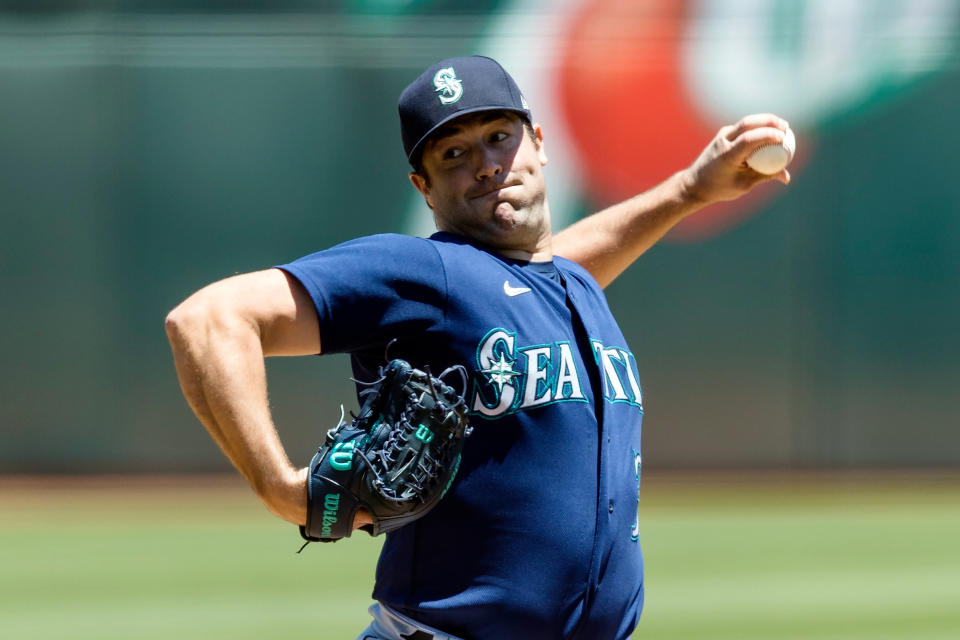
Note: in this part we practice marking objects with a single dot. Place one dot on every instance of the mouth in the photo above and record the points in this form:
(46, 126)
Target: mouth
(488, 191)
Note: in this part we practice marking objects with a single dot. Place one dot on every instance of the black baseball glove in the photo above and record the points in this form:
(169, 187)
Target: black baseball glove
(396, 459)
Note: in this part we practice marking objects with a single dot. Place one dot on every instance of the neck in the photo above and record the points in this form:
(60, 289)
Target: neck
(543, 253)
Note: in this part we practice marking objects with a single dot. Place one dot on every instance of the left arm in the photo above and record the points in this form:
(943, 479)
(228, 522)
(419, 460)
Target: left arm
(608, 242)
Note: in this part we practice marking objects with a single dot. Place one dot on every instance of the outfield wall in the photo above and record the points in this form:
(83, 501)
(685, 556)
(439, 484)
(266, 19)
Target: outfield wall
(148, 151)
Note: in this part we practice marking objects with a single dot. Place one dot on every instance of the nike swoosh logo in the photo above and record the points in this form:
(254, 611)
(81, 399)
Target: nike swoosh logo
(513, 291)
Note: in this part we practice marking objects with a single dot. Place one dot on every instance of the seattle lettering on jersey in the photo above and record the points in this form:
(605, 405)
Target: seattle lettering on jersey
(612, 362)
(522, 377)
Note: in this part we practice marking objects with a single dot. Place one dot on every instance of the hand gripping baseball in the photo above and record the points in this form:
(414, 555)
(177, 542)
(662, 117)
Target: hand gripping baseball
(723, 172)
(396, 459)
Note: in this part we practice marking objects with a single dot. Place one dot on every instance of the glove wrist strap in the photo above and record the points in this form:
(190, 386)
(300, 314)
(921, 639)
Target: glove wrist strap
(330, 504)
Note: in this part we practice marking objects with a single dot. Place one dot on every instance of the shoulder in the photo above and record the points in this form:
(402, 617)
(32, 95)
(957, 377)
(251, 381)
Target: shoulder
(378, 266)
(387, 249)
(383, 241)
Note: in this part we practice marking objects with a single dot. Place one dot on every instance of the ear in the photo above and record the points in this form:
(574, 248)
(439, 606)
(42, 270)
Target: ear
(541, 149)
(420, 184)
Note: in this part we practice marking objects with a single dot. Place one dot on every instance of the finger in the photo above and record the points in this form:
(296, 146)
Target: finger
(726, 132)
(751, 140)
(755, 121)
(782, 177)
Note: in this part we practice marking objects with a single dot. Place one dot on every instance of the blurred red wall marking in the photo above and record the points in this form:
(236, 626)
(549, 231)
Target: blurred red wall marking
(622, 92)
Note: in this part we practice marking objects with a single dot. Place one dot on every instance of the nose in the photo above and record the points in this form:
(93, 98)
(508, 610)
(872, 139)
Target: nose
(488, 164)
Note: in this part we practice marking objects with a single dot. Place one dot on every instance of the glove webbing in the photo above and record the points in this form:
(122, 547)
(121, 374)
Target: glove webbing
(427, 465)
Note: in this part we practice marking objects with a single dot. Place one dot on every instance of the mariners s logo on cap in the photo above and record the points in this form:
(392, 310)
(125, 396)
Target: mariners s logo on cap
(448, 85)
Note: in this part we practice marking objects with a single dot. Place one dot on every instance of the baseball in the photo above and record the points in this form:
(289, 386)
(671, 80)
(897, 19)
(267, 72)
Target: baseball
(772, 158)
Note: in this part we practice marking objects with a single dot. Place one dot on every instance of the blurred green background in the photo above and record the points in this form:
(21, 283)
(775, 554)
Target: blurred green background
(150, 147)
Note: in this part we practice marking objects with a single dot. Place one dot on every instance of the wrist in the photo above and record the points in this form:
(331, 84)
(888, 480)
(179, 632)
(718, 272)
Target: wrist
(286, 495)
(688, 187)
(361, 518)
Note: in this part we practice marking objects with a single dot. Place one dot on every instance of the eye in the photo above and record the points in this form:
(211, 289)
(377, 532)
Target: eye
(499, 136)
(452, 153)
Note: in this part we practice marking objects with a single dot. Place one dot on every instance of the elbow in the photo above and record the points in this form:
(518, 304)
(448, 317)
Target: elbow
(176, 325)
(185, 320)
(207, 314)
(173, 324)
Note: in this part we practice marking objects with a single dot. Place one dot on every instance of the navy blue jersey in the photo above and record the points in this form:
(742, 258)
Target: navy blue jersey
(537, 537)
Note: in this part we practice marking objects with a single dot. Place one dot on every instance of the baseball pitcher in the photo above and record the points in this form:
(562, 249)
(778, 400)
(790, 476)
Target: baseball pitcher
(497, 445)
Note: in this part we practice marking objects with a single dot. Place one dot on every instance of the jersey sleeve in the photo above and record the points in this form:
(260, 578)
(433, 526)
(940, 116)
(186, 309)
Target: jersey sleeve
(373, 289)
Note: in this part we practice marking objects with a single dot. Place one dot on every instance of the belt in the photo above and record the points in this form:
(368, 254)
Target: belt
(398, 625)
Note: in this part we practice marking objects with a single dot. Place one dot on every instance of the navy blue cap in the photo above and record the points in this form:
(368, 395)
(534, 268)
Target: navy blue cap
(452, 88)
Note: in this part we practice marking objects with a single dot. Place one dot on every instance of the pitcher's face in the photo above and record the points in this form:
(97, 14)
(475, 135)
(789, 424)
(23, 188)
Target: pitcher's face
(483, 178)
